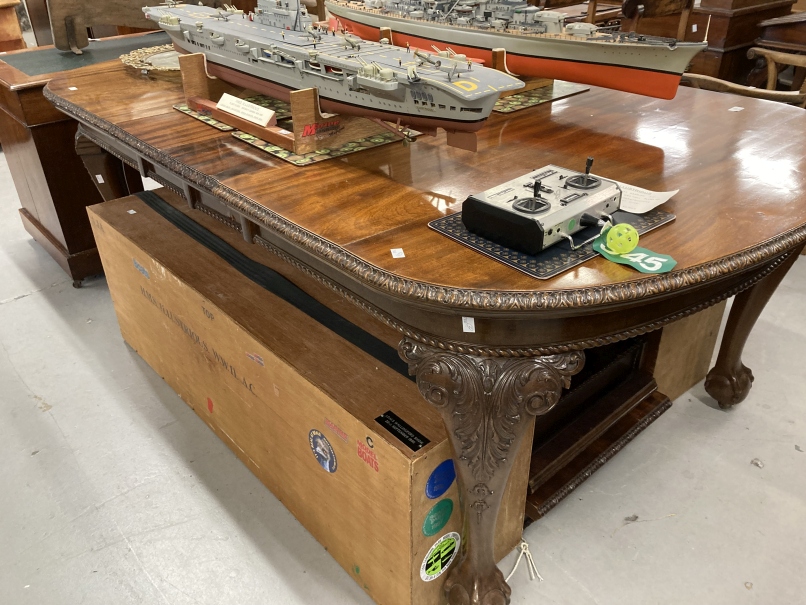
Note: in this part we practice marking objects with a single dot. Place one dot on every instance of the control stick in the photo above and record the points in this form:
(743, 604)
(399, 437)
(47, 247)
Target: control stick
(588, 166)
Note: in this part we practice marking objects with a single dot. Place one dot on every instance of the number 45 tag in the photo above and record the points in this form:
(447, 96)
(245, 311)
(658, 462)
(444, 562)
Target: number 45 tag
(642, 259)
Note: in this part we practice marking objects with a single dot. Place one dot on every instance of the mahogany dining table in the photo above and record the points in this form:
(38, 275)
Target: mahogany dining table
(740, 225)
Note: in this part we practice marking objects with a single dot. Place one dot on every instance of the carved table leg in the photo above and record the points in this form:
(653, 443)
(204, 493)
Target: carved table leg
(484, 402)
(729, 381)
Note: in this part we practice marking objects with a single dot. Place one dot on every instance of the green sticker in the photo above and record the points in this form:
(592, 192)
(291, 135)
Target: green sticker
(437, 517)
(641, 259)
(440, 557)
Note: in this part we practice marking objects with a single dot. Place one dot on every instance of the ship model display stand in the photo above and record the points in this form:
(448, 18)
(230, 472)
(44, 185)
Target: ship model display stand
(500, 63)
(312, 131)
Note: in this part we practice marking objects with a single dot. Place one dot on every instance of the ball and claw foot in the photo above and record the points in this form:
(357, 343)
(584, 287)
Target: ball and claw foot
(729, 388)
(489, 590)
(77, 283)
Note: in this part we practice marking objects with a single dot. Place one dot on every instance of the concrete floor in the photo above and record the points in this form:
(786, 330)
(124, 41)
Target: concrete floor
(113, 492)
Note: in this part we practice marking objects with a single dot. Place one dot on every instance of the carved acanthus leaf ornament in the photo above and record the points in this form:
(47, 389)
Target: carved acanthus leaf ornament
(487, 397)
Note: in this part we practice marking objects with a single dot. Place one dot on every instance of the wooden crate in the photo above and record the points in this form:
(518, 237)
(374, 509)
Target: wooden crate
(269, 381)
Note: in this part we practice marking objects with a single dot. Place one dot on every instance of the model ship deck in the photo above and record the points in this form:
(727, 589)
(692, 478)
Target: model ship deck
(278, 49)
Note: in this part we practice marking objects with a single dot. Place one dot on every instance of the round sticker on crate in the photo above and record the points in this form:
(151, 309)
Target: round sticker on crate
(440, 557)
(323, 451)
(437, 517)
(440, 480)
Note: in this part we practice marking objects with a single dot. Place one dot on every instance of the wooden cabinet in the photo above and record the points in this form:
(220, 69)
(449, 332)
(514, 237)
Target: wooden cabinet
(733, 29)
(53, 185)
(50, 179)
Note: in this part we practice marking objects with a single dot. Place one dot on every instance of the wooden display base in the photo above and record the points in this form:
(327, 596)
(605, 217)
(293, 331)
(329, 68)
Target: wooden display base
(500, 63)
(313, 130)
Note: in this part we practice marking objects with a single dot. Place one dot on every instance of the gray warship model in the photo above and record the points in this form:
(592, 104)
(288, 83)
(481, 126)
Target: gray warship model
(538, 42)
(278, 48)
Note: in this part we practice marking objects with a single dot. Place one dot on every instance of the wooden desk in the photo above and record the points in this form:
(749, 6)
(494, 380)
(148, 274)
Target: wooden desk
(39, 143)
(734, 25)
(741, 220)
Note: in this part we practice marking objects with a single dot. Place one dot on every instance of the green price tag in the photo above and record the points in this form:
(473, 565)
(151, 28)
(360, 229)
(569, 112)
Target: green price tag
(641, 259)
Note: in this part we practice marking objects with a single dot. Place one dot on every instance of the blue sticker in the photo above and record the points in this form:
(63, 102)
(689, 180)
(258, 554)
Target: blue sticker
(323, 451)
(440, 480)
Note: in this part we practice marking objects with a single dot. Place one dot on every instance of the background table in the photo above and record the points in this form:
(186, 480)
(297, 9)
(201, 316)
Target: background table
(39, 143)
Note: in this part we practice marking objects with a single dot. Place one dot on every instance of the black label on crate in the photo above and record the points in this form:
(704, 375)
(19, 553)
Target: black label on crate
(402, 430)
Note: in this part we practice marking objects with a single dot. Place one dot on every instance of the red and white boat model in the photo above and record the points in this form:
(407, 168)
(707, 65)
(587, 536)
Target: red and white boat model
(538, 43)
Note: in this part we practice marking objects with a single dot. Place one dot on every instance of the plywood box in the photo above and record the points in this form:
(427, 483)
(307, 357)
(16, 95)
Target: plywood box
(294, 401)
(685, 351)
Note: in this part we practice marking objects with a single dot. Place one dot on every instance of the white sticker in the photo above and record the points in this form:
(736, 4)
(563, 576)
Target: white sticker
(468, 324)
(244, 109)
(440, 556)
(72, 88)
(398, 253)
(284, 131)
(100, 179)
(694, 28)
(132, 211)
(736, 109)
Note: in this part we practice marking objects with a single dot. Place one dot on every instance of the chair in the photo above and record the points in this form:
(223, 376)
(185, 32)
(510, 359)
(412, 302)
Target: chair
(590, 11)
(774, 60)
(69, 19)
(635, 10)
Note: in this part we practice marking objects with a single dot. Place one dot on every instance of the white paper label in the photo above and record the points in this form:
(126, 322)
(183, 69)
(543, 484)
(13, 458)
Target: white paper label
(637, 200)
(132, 211)
(100, 179)
(736, 109)
(398, 253)
(468, 324)
(246, 110)
(72, 88)
(694, 28)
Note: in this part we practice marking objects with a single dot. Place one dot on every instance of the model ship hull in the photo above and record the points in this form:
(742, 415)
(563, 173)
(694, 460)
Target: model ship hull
(651, 70)
(352, 77)
(278, 91)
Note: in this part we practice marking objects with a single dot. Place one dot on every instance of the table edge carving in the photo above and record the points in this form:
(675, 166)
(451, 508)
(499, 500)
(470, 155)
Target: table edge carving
(492, 351)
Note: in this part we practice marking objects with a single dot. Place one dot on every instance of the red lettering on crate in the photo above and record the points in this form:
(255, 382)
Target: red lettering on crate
(367, 455)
